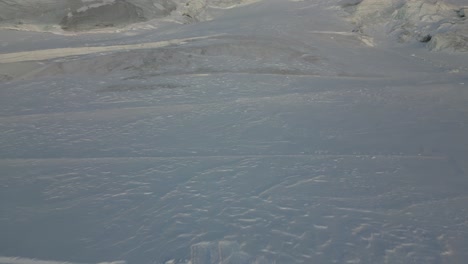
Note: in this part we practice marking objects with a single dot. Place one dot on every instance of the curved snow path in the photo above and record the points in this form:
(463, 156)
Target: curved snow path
(46, 54)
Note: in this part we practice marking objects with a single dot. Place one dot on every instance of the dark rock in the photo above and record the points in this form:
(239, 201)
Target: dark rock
(425, 38)
(117, 13)
(461, 13)
(349, 3)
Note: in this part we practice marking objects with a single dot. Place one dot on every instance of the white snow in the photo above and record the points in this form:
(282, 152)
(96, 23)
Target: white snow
(250, 132)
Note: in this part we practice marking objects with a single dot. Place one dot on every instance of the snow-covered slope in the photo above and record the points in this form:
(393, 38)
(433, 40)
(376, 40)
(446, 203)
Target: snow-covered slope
(268, 133)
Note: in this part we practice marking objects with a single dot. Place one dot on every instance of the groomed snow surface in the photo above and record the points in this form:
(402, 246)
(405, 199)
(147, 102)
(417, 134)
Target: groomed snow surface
(233, 132)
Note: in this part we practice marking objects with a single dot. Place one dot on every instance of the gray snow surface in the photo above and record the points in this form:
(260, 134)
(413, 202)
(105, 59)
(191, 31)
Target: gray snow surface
(233, 132)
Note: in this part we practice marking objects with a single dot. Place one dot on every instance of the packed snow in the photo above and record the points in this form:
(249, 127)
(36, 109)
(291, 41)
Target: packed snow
(233, 132)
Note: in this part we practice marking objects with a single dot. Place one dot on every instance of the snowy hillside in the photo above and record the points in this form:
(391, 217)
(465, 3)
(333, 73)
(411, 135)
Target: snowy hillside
(233, 132)
(442, 24)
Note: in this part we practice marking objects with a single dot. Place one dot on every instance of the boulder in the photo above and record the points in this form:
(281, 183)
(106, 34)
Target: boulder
(450, 42)
(80, 14)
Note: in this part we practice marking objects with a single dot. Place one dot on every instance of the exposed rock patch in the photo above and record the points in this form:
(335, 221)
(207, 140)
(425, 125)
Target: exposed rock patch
(441, 24)
(106, 15)
(449, 42)
(79, 15)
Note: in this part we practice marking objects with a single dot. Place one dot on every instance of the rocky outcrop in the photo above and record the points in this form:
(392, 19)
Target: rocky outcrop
(201, 10)
(449, 42)
(18, 12)
(111, 13)
(439, 23)
(79, 15)
(117, 13)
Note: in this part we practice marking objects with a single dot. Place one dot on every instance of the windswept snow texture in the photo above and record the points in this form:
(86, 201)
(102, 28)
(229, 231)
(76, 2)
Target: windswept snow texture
(272, 132)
